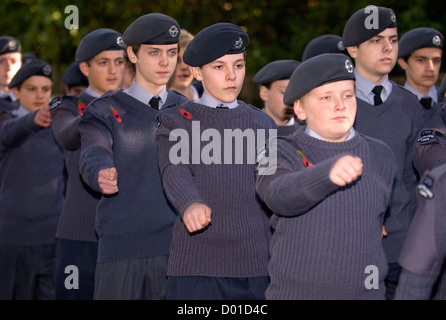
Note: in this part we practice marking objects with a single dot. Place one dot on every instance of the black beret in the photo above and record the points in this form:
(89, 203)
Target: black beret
(152, 28)
(419, 38)
(32, 68)
(317, 71)
(9, 44)
(74, 77)
(28, 56)
(363, 25)
(214, 42)
(99, 40)
(275, 70)
(327, 43)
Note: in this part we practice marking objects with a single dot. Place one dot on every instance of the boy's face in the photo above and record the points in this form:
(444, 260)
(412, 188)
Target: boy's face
(375, 58)
(182, 77)
(273, 100)
(105, 71)
(34, 93)
(223, 78)
(10, 63)
(155, 64)
(329, 110)
(422, 68)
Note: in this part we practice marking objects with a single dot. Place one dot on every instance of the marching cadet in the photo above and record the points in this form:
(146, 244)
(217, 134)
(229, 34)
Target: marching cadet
(422, 258)
(32, 188)
(10, 63)
(272, 80)
(220, 238)
(100, 60)
(420, 54)
(119, 159)
(388, 112)
(327, 43)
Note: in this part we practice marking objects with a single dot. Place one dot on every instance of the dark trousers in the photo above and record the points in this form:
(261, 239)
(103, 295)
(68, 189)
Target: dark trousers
(214, 288)
(75, 266)
(139, 279)
(27, 272)
(391, 279)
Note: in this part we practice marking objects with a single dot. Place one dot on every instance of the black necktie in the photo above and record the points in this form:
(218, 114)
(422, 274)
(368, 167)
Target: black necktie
(426, 102)
(377, 91)
(155, 102)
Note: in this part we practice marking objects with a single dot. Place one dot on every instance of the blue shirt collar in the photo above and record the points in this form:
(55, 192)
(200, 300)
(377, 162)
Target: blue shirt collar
(433, 93)
(144, 96)
(211, 102)
(364, 88)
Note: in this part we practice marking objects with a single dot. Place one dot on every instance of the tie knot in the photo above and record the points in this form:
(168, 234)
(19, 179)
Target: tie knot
(154, 102)
(426, 102)
(222, 106)
(377, 91)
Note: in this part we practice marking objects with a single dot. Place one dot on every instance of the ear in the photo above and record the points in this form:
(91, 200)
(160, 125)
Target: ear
(299, 110)
(131, 54)
(353, 51)
(196, 71)
(83, 66)
(16, 93)
(402, 63)
(263, 93)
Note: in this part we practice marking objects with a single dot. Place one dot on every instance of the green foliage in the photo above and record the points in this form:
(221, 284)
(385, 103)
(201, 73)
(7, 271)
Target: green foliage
(278, 29)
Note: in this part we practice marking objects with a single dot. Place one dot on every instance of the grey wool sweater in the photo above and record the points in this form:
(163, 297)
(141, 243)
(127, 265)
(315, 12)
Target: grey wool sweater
(235, 244)
(325, 236)
(77, 221)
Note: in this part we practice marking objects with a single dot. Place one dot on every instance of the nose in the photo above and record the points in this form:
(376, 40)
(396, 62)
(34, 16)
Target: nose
(387, 45)
(339, 102)
(230, 74)
(112, 68)
(164, 61)
(430, 64)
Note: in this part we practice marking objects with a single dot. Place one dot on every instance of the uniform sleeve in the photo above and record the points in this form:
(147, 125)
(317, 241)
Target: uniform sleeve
(65, 124)
(96, 147)
(176, 177)
(424, 249)
(430, 150)
(294, 189)
(13, 131)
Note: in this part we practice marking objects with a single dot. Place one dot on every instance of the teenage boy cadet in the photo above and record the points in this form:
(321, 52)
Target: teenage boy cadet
(388, 112)
(420, 53)
(32, 187)
(326, 235)
(119, 158)
(272, 80)
(10, 63)
(74, 81)
(100, 57)
(220, 241)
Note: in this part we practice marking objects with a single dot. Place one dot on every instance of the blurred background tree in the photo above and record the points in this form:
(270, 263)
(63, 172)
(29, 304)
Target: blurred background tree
(278, 29)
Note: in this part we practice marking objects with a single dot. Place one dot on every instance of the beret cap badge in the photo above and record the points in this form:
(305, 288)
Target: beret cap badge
(349, 66)
(436, 40)
(173, 31)
(238, 43)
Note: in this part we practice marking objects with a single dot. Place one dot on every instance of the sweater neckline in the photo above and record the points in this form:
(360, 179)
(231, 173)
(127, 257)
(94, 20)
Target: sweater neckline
(214, 113)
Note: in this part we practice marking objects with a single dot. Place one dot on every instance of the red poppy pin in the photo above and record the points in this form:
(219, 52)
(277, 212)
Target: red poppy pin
(81, 106)
(186, 114)
(116, 114)
(304, 159)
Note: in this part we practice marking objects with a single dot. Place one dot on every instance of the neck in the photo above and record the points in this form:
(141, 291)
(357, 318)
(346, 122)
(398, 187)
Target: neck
(422, 89)
(148, 86)
(375, 78)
